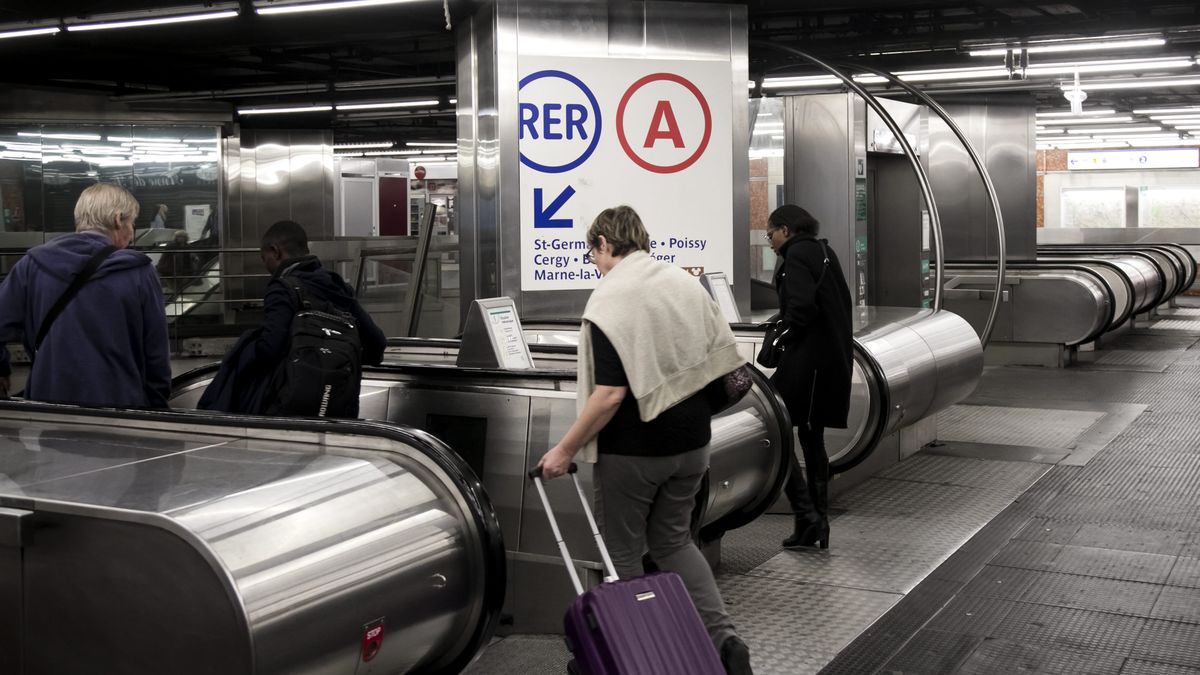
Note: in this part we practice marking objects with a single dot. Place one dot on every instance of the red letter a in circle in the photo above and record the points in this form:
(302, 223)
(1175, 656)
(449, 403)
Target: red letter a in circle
(663, 113)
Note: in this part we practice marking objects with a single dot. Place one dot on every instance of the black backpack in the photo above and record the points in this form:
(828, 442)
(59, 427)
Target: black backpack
(322, 372)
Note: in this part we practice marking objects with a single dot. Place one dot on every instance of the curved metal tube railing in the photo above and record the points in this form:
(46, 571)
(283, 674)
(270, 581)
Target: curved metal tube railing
(922, 177)
(1002, 253)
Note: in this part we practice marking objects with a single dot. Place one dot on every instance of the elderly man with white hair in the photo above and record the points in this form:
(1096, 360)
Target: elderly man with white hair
(90, 312)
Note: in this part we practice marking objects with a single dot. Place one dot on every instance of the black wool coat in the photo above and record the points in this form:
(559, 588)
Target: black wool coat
(813, 377)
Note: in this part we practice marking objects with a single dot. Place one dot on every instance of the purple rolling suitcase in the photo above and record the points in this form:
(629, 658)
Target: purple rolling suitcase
(642, 626)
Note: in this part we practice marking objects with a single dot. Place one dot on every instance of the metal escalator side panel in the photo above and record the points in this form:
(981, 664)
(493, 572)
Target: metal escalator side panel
(958, 358)
(1057, 303)
(1068, 307)
(307, 522)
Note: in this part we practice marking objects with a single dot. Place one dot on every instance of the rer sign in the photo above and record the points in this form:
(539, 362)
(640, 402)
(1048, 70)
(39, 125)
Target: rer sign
(596, 133)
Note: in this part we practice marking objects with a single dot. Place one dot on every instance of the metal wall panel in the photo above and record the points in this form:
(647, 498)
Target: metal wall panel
(277, 175)
(1002, 131)
(819, 166)
(488, 54)
(270, 176)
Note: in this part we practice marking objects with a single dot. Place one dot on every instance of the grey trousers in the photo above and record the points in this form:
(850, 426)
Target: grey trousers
(645, 503)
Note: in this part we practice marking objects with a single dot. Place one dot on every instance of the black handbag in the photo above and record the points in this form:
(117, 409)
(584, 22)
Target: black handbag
(775, 339)
(725, 391)
(771, 352)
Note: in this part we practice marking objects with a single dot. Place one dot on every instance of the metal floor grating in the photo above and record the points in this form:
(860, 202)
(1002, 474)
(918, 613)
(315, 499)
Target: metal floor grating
(1143, 341)
(522, 655)
(1151, 361)
(1103, 573)
(797, 610)
(1183, 325)
(748, 547)
(1014, 426)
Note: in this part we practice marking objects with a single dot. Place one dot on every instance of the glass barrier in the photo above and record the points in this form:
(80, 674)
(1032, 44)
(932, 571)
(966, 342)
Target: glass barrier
(766, 179)
(384, 287)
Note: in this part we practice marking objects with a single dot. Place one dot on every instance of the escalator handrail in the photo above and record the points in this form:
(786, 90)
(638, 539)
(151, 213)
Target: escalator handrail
(869, 441)
(460, 473)
(1096, 262)
(1163, 293)
(537, 348)
(874, 374)
(1189, 261)
(1081, 265)
(1184, 276)
(736, 519)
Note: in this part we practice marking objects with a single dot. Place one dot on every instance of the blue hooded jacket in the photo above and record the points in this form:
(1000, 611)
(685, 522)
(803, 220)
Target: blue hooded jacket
(109, 346)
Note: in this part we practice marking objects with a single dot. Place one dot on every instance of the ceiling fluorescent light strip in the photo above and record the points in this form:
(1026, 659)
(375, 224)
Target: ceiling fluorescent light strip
(1167, 111)
(1090, 120)
(391, 104)
(156, 21)
(28, 32)
(323, 6)
(284, 111)
(1149, 83)
(352, 146)
(1132, 67)
(1166, 144)
(1085, 113)
(947, 74)
(1077, 46)
(438, 144)
(1117, 130)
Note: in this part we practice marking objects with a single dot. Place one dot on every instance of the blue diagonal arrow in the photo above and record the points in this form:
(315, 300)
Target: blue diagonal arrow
(545, 217)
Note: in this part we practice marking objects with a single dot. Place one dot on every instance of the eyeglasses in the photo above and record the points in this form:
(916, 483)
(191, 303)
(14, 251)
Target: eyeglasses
(770, 231)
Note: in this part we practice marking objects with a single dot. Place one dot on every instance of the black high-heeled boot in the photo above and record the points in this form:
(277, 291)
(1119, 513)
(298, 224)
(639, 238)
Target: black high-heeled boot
(808, 533)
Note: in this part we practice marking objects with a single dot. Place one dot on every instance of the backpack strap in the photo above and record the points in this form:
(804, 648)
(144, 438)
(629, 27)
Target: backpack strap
(77, 283)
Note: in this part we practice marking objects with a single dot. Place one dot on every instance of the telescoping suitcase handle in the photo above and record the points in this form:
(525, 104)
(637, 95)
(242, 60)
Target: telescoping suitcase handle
(536, 475)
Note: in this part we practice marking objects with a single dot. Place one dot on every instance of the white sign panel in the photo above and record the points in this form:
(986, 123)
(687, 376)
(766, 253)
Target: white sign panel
(1167, 158)
(598, 133)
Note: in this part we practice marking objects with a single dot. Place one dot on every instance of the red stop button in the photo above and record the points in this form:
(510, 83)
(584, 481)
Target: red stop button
(419, 172)
(372, 639)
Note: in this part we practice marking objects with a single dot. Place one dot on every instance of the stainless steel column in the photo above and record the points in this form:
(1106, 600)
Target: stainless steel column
(488, 53)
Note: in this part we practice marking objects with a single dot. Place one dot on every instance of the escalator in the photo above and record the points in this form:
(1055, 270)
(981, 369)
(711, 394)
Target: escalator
(183, 542)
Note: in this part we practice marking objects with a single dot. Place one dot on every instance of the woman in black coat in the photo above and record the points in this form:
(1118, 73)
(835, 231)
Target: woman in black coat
(814, 374)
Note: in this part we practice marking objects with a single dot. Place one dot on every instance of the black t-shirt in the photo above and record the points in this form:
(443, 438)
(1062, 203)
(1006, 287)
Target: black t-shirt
(685, 426)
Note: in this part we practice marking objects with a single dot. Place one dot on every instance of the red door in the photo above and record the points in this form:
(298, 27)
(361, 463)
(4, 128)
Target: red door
(393, 206)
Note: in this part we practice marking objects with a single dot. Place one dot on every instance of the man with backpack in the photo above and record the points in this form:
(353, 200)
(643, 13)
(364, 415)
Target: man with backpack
(306, 358)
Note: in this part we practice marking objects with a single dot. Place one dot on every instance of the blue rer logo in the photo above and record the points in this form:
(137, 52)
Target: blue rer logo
(553, 131)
